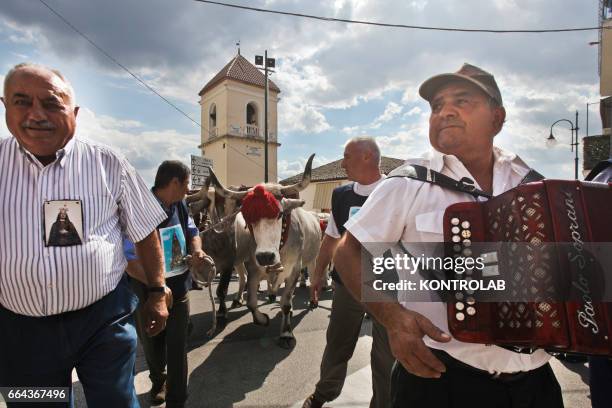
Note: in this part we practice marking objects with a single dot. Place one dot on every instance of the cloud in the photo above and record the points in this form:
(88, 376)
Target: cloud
(324, 68)
(391, 111)
(412, 112)
(289, 168)
(144, 149)
(350, 130)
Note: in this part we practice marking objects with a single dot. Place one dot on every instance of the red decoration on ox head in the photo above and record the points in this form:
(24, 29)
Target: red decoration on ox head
(258, 204)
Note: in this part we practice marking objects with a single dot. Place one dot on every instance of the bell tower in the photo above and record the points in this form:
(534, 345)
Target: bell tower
(232, 136)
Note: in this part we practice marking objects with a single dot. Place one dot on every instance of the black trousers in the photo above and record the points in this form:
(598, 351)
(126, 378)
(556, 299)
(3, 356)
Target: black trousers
(166, 353)
(464, 387)
(600, 374)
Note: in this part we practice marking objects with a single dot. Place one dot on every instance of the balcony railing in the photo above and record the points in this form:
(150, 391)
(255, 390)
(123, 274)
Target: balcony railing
(213, 132)
(252, 131)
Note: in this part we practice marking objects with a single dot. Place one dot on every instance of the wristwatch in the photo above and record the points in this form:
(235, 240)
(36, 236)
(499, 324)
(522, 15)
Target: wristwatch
(157, 289)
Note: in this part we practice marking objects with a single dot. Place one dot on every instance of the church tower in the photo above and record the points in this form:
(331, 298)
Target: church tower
(233, 124)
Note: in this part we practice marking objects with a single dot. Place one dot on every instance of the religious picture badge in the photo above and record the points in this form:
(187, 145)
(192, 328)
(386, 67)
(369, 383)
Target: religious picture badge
(174, 249)
(63, 222)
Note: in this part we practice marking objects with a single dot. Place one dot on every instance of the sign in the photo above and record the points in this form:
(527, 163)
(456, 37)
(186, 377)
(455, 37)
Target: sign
(253, 151)
(199, 171)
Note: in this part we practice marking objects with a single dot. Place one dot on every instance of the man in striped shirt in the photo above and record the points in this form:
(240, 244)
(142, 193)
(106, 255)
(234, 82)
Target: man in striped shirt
(65, 307)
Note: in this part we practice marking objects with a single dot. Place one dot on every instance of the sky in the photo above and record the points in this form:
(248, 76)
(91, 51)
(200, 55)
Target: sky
(338, 80)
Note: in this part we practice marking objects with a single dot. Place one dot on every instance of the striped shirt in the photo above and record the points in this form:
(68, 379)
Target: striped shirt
(40, 280)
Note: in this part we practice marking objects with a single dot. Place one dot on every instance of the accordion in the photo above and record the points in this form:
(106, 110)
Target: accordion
(543, 240)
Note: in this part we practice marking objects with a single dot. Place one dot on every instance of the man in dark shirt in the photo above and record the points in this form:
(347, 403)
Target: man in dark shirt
(361, 162)
(177, 233)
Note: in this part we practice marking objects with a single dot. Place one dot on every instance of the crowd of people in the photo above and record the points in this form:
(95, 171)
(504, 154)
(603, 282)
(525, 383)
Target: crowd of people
(69, 294)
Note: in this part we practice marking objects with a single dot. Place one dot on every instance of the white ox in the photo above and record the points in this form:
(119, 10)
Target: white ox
(270, 260)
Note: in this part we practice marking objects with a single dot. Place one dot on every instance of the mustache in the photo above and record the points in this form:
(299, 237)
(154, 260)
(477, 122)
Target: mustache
(40, 125)
(450, 123)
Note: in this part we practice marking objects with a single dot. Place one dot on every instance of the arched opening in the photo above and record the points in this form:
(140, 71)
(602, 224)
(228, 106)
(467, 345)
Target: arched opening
(251, 120)
(251, 114)
(212, 120)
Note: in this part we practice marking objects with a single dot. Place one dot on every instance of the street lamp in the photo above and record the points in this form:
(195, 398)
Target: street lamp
(574, 128)
(267, 63)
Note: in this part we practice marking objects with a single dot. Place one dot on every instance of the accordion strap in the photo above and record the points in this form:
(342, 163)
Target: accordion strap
(465, 185)
(532, 176)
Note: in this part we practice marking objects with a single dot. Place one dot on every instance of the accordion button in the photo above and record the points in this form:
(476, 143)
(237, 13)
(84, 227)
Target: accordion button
(459, 296)
(470, 300)
(465, 224)
(459, 306)
(467, 242)
(457, 248)
(455, 221)
(456, 238)
(471, 311)
(460, 316)
(467, 252)
(455, 230)
(466, 233)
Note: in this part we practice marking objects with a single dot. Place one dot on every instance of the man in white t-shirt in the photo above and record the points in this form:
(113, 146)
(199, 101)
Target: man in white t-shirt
(362, 164)
(432, 369)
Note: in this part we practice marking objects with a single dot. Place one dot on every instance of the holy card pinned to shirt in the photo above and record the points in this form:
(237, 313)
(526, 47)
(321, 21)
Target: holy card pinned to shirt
(63, 222)
(174, 249)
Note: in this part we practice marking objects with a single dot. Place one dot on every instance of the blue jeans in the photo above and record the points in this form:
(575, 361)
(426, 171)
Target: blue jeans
(98, 340)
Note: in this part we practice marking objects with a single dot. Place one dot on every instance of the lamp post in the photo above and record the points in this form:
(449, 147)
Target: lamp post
(267, 63)
(574, 144)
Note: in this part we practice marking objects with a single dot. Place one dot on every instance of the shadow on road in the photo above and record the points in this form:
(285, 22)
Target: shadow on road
(239, 364)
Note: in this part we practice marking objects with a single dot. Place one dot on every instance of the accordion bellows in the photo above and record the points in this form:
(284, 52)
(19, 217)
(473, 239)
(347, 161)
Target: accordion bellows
(554, 291)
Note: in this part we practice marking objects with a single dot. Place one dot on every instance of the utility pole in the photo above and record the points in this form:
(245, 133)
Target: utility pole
(267, 63)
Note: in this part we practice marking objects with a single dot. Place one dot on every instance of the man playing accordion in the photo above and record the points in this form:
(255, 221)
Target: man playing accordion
(433, 369)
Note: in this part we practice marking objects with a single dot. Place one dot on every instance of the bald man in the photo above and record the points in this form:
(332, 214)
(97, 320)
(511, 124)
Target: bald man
(362, 165)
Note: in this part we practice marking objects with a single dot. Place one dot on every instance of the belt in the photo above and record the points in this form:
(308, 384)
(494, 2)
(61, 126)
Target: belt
(448, 360)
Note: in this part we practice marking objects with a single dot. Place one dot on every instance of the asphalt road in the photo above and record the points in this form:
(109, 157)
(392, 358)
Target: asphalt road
(243, 366)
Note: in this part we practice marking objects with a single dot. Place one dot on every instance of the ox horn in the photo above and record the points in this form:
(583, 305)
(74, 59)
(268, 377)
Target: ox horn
(199, 196)
(224, 191)
(294, 189)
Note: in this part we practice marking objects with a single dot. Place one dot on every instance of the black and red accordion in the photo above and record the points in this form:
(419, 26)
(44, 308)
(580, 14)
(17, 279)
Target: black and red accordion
(546, 238)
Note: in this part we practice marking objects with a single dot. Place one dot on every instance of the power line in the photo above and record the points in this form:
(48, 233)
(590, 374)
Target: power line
(136, 77)
(413, 27)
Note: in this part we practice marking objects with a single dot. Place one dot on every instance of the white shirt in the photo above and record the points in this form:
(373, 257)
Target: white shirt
(40, 280)
(359, 189)
(410, 211)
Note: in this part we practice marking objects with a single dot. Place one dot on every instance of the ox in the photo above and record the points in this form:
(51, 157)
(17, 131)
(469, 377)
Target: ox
(286, 238)
(218, 240)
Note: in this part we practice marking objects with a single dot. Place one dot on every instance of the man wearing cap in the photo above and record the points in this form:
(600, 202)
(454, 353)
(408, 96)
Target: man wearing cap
(433, 369)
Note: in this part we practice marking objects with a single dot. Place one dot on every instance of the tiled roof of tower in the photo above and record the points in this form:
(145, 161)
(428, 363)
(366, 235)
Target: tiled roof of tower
(334, 171)
(241, 70)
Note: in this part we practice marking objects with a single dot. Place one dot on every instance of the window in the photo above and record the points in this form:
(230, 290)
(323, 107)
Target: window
(213, 116)
(251, 114)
